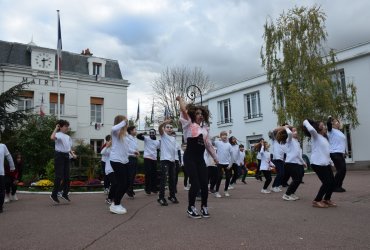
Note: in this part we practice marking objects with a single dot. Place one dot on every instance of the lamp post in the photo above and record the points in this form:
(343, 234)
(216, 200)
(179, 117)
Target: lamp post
(191, 93)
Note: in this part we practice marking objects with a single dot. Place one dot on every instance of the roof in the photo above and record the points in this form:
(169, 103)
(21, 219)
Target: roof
(20, 54)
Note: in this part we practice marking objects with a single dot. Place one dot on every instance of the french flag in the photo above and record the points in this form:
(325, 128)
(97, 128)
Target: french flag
(59, 47)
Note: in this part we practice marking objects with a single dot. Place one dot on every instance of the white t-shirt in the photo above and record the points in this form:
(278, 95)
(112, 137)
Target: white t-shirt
(150, 148)
(4, 152)
(119, 149)
(209, 159)
(168, 147)
(241, 158)
(278, 150)
(320, 147)
(106, 152)
(293, 149)
(265, 159)
(63, 142)
(224, 152)
(132, 145)
(235, 153)
(337, 141)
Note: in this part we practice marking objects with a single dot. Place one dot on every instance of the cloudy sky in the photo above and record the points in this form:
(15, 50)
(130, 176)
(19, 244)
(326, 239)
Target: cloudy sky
(223, 37)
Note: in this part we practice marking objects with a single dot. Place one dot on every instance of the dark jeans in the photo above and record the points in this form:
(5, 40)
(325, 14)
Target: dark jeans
(132, 173)
(212, 176)
(279, 164)
(267, 174)
(198, 175)
(121, 173)
(105, 177)
(237, 172)
(2, 191)
(326, 177)
(167, 170)
(9, 185)
(113, 185)
(340, 166)
(228, 173)
(295, 171)
(150, 168)
(61, 166)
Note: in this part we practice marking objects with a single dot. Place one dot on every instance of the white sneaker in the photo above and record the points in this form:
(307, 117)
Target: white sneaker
(275, 189)
(231, 187)
(106, 190)
(117, 209)
(6, 199)
(279, 187)
(13, 197)
(217, 195)
(187, 188)
(265, 191)
(294, 196)
(227, 194)
(288, 197)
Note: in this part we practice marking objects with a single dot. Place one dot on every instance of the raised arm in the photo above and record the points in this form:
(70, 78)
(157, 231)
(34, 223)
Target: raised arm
(289, 132)
(182, 107)
(141, 136)
(52, 136)
(310, 129)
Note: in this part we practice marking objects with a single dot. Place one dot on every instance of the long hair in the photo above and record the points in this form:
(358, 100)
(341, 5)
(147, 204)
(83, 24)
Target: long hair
(257, 147)
(123, 131)
(191, 108)
(281, 134)
(231, 140)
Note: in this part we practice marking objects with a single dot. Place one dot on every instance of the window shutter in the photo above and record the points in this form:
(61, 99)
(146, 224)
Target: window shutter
(97, 100)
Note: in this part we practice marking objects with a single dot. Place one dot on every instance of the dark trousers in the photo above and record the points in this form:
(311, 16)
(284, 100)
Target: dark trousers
(132, 173)
(295, 171)
(340, 166)
(326, 177)
(150, 168)
(61, 166)
(105, 177)
(121, 173)
(2, 191)
(212, 176)
(113, 185)
(228, 173)
(258, 172)
(167, 170)
(285, 178)
(198, 176)
(237, 172)
(177, 170)
(267, 174)
(10, 187)
(279, 164)
(186, 176)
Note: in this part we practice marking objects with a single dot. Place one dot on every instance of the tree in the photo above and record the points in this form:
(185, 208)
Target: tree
(10, 120)
(304, 81)
(174, 82)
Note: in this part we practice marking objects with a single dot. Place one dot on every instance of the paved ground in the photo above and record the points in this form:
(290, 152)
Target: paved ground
(246, 220)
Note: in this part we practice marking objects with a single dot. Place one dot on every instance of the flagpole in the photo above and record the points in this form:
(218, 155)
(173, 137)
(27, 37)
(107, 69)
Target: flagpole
(58, 64)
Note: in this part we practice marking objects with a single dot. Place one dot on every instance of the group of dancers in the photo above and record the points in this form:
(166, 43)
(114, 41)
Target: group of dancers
(220, 154)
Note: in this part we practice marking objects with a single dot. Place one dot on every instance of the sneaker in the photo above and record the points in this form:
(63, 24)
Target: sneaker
(55, 199)
(173, 200)
(275, 189)
(212, 191)
(13, 197)
(193, 213)
(106, 190)
(186, 188)
(265, 191)
(288, 198)
(329, 203)
(295, 196)
(319, 204)
(117, 209)
(162, 202)
(6, 199)
(108, 201)
(59, 194)
(217, 195)
(204, 212)
(227, 194)
(131, 194)
(65, 197)
(339, 190)
(244, 182)
(231, 187)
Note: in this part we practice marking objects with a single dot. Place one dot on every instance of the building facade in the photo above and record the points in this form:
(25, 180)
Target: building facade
(92, 90)
(244, 109)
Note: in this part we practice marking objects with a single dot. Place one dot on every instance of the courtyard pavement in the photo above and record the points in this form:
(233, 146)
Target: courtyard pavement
(245, 220)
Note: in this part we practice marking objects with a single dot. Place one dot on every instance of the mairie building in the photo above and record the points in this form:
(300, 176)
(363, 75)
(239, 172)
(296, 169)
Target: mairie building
(92, 89)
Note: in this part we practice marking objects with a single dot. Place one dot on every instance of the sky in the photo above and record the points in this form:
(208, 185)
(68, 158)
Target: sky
(222, 37)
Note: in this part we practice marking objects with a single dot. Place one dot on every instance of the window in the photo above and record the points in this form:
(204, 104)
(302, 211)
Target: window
(340, 79)
(96, 109)
(224, 110)
(25, 101)
(96, 145)
(97, 68)
(53, 103)
(252, 105)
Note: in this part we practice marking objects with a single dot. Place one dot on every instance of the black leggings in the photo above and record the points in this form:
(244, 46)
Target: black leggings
(267, 174)
(10, 187)
(295, 171)
(61, 166)
(121, 173)
(228, 174)
(105, 177)
(340, 166)
(212, 176)
(151, 180)
(326, 177)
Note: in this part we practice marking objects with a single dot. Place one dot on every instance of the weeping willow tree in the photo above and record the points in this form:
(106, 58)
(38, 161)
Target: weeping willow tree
(303, 76)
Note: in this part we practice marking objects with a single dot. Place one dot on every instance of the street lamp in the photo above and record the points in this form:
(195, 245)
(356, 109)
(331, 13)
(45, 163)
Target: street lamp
(191, 93)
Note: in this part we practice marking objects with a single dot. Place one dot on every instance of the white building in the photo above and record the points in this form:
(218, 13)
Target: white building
(92, 90)
(244, 109)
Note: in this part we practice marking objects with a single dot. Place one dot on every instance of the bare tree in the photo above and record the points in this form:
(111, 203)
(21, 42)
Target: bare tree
(174, 82)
